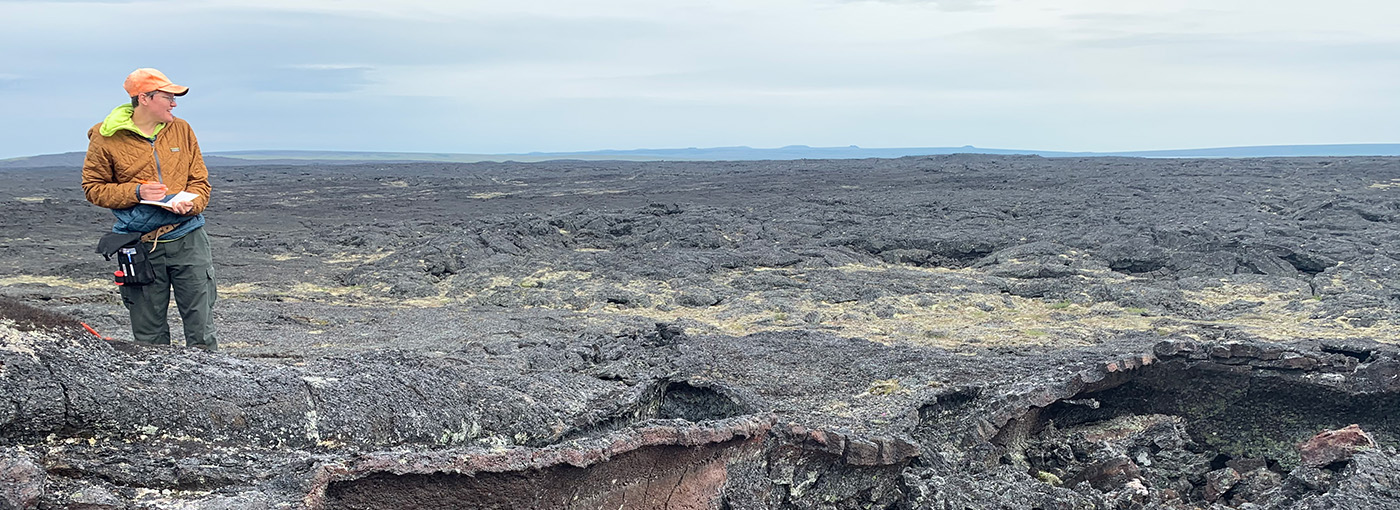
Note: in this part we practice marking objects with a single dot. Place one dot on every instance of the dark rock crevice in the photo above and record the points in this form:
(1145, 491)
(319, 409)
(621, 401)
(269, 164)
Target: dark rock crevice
(681, 400)
(742, 462)
(1199, 424)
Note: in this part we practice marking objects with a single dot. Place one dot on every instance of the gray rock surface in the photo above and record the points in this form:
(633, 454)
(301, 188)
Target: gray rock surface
(947, 332)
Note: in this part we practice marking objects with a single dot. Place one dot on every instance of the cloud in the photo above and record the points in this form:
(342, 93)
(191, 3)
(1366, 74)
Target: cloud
(73, 1)
(312, 78)
(565, 74)
(947, 5)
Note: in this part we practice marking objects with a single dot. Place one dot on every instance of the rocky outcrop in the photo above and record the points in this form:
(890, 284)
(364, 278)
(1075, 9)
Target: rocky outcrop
(944, 332)
(97, 420)
(1187, 422)
(1235, 424)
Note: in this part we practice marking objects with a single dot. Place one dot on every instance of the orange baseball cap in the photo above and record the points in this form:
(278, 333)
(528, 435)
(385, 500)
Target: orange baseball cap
(146, 80)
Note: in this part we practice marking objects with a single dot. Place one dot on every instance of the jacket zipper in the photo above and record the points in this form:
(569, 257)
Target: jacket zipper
(156, 155)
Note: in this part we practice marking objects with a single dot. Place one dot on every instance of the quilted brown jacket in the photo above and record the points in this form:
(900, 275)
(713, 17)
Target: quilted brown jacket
(116, 164)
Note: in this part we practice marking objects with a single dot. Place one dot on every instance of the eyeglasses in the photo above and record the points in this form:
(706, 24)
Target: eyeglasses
(167, 97)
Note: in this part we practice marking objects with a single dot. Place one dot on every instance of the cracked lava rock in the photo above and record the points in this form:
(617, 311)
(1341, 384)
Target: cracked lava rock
(945, 332)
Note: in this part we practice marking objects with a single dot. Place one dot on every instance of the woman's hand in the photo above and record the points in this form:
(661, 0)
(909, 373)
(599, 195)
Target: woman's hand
(152, 191)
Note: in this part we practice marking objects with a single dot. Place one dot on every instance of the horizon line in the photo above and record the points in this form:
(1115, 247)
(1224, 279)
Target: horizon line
(794, 152)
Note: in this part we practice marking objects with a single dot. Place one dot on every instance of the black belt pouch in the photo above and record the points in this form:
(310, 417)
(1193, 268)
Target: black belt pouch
(133, 267)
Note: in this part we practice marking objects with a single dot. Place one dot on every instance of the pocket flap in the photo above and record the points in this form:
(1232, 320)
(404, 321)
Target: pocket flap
(110, 243)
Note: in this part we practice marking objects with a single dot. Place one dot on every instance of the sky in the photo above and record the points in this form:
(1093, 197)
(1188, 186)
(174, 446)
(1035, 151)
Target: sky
(498, 77)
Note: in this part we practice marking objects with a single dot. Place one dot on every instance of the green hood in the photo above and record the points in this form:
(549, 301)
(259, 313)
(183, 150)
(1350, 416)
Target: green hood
(120, 119)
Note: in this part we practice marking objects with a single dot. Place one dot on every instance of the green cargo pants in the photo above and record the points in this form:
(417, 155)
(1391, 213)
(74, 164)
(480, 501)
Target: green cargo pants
(186, 265)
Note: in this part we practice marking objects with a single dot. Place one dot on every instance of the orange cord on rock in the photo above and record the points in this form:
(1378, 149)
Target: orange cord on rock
(94, 332)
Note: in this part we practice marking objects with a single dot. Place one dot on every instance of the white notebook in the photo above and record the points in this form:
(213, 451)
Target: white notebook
(169, 200)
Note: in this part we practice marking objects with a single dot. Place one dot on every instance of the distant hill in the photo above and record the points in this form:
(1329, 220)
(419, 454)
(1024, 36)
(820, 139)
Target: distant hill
(740, 153)
(1272, 151)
